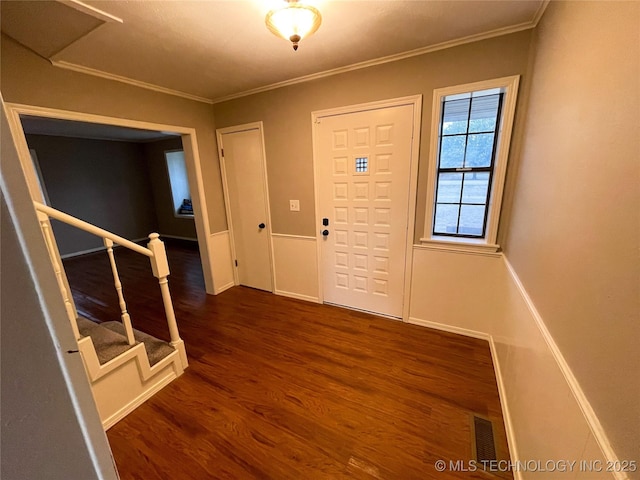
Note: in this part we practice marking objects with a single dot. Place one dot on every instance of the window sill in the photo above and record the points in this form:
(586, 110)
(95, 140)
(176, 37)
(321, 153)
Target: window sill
(466, 246)
(183, 215)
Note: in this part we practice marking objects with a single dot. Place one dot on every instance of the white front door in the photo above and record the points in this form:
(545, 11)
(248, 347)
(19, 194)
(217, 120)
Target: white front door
(244, 177)
(363, 179)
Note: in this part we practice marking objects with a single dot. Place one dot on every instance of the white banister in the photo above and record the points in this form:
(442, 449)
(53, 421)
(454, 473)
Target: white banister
(160, 268)
(124, 315)
(87, 227)
(159, 265)
(46, 231)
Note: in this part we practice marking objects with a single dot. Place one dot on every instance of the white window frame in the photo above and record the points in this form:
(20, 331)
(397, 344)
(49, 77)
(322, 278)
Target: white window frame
(509, 86)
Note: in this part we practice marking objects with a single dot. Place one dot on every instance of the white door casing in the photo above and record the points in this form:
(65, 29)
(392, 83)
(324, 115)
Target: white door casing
(192, 157)
(365, 161)
(246, 197)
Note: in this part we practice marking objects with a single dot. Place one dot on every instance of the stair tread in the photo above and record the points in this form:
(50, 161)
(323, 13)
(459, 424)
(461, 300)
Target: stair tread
(156, 349)
(110, 340)
(108, 343)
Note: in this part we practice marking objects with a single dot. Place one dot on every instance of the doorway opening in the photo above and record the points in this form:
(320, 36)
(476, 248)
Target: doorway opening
(101, 127)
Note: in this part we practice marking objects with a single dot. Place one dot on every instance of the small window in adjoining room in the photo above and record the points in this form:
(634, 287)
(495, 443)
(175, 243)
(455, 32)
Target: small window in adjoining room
(180, 194)
(469, 150)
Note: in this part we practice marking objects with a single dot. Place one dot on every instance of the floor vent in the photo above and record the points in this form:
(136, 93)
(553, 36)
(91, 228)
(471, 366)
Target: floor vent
(484, 444)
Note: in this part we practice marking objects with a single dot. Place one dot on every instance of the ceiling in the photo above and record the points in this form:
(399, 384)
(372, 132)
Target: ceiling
(214, 50)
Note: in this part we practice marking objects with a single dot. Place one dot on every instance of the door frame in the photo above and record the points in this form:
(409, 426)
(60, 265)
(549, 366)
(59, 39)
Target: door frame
(191, 153)
(265, 184)
(416, 102)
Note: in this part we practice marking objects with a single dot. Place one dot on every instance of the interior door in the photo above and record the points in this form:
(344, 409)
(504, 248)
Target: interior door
(245, 185)
(364, 172)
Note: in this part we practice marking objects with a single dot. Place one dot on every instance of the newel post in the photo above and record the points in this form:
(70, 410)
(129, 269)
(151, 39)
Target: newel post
(160, 268)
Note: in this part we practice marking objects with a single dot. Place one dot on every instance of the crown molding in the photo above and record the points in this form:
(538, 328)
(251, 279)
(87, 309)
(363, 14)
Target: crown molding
(90, 10)
(382, 60)
(314, 76)
(130, 81)
(540, 12)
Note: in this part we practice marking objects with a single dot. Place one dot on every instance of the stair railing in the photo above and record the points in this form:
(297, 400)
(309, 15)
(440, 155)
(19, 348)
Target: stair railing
(155, 251)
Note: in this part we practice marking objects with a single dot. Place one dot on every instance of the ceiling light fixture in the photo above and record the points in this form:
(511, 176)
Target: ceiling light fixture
(294, 21)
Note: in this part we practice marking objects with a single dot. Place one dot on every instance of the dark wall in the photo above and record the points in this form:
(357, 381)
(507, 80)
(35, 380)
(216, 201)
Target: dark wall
(102, 182)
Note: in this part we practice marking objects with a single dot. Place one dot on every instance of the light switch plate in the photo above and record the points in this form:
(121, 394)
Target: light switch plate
(294, 205)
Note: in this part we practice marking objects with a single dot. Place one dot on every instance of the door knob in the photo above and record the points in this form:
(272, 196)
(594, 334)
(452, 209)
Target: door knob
(261, 226)
(325, 232)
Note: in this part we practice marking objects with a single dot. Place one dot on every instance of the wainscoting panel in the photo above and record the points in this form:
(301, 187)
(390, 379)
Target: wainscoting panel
(455, 289)
(222, 263)
(296, 266)
(547, 416)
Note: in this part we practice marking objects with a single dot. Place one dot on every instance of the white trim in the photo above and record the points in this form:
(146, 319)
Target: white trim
(130, 81)
(305, 78)
(449, 328)
(382, 60)
(176, 237)
(538, 16)
(416, 102)
(297, 296)
(90, 10)
(225, 187)
(585, 406)
(189, 144)
(466, 248)
(139, 400)
(504, 131)
(221, 232)
(297, 237)
(506, 413)
(502, 392)
(225, 287)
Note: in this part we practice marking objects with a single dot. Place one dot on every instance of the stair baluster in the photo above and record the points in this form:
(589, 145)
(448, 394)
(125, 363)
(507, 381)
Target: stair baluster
(126, 319)
(160, 268)
(46, 231)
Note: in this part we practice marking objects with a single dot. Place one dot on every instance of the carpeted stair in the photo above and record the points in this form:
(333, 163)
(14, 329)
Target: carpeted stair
(110, 340)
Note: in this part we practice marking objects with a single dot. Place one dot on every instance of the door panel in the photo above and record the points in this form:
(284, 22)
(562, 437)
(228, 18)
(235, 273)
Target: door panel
(243, 165)
(363, 187)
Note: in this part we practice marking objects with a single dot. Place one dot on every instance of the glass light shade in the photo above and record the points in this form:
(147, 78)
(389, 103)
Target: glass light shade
(294, 22)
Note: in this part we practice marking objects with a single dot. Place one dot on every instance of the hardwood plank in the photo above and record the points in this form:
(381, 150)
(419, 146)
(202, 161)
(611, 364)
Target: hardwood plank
(285, 389)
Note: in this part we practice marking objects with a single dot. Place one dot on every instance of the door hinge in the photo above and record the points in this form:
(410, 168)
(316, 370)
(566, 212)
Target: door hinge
(236, 263)
(222, 152)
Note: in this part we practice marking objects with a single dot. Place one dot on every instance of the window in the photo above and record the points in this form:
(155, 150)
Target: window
(469, 148)
(177, 171)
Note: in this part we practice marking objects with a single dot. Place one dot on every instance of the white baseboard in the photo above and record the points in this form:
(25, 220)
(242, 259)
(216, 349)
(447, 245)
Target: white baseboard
(590, 416)
(297, 296)
(97, 249)
(139, 400)
(449, 328)
(506, 413)
(176, 237)
(225, 287)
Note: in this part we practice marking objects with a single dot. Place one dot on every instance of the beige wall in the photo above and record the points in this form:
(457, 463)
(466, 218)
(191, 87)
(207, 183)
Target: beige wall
(31, 80)
(574, 230)
(286, 113)
(168, 223)
(102, 182)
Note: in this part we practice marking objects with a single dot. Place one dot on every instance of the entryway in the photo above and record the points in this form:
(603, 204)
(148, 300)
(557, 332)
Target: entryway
(366, 169)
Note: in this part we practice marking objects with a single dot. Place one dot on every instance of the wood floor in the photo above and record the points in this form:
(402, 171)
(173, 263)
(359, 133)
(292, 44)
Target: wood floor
(285, 389)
